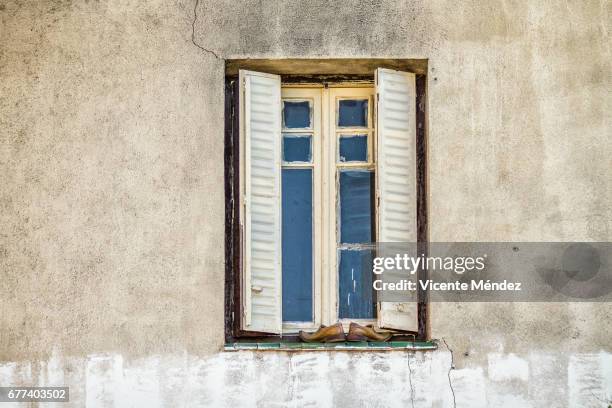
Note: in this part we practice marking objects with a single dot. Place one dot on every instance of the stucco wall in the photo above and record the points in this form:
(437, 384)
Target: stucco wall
(111, 195)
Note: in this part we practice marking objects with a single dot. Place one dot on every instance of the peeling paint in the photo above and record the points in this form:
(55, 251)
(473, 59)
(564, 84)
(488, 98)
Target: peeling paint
(507, 367)
(317, 379)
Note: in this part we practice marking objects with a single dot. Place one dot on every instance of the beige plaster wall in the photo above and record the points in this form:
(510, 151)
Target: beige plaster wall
(111, 183)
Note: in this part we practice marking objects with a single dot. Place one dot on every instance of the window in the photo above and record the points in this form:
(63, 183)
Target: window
(325, 171)
(327, 195)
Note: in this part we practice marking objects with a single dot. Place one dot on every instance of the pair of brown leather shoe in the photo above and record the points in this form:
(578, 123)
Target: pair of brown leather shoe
(335, 333)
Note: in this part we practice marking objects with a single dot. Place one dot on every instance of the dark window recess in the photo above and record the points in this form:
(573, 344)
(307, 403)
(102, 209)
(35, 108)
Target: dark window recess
(353, 148)
(353, 113)
(297, 148)
(356, 298)
(297, 244)
(356, 210)
(296, 115)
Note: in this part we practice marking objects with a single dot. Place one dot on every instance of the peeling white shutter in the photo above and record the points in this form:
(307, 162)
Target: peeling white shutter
(396, 176)
(260, 106)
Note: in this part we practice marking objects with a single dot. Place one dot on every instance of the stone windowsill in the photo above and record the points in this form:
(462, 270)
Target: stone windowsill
(344, 346)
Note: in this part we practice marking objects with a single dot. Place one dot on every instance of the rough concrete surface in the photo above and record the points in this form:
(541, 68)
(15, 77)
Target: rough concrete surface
(111, 196)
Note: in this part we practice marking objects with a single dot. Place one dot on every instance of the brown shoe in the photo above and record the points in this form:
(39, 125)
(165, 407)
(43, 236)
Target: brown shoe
(366, 333)
(329, 334)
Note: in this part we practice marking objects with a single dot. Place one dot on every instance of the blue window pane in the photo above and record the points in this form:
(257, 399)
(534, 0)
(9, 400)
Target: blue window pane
(354, 148)
(353, 113)
(297, 244)
(296, 115)
(356, 299)
(296, 148)
(356, 196)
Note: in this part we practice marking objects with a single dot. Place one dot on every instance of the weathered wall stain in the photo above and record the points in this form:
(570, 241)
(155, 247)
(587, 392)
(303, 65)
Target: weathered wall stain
(320, 379)
(111, 193)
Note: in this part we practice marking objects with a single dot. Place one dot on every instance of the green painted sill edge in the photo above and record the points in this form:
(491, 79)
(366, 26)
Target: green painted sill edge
(344, 346)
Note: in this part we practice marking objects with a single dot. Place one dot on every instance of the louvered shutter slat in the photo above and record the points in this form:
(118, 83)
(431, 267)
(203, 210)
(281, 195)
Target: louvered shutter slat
(260, 99)
(396, 167)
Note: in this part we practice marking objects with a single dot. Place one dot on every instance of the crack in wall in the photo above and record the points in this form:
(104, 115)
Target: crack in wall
(193, 23)
(410, 381)
(452, 367)
(603, 401)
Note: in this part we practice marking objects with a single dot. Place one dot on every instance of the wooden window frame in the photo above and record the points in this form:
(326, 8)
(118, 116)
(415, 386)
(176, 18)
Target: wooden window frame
(233, 244)
(332, 202)
(310, 94)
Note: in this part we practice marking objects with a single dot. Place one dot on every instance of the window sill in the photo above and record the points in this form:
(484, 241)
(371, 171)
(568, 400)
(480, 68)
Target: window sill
(344, 346)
